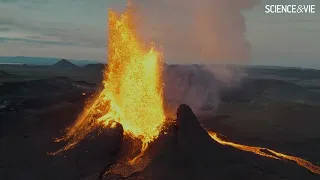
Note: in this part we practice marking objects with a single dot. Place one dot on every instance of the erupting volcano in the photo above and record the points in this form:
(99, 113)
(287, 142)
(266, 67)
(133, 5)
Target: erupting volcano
(132, 94)
(133, 88)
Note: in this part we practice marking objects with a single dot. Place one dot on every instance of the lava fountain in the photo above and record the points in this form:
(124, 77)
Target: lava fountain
(132, 92)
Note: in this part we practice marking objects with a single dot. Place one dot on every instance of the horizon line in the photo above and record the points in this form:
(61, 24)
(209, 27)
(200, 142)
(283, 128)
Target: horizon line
(100, 62)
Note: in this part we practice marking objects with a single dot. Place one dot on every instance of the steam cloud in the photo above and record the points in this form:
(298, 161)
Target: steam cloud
(196, 31)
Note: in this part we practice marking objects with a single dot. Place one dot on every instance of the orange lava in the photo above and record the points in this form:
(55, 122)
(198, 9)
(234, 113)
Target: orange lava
(263, 152)
(133, 89)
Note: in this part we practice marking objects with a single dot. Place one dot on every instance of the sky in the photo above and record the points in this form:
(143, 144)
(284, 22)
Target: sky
(77, 29)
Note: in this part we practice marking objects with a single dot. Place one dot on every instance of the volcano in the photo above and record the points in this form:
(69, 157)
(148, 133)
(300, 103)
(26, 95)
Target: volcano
(155, 146)
(187, 151)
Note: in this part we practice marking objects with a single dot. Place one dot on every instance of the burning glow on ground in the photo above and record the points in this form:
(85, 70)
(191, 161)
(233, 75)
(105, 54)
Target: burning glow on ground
(133, 88)
(264, 152)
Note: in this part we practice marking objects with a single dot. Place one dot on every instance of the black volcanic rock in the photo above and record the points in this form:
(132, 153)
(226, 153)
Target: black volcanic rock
(3, 74)
(191, 135)
(93, 155)
(64, 64)
(190, 153)
(270, 89)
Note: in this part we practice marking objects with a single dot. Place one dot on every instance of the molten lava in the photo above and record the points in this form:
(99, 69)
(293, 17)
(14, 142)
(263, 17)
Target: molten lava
(272, 154)
(133, 88)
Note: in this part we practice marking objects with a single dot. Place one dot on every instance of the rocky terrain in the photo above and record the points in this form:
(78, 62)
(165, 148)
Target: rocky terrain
(281, 112)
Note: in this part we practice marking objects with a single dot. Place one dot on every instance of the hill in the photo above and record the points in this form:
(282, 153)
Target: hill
(64, 64)
(95, 67)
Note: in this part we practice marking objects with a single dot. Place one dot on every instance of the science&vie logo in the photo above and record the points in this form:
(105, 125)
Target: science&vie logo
(290, 9)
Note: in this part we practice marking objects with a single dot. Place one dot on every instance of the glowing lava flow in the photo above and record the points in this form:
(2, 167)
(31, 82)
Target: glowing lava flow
(272, 154)
(133, 88)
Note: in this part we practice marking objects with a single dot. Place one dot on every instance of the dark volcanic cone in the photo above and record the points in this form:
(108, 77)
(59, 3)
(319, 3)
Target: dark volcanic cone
(92, 156)
(186, 151)
(190, 153)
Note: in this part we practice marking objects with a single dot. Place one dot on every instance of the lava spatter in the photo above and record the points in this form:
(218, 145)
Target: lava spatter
(132, 92)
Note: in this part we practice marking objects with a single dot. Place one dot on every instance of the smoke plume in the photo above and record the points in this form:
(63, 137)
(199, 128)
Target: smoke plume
(197, 32)
(199, 86)
(201, 31)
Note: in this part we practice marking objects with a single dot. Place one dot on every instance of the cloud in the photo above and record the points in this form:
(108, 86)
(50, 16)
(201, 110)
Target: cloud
(8, 1)
(34, 41)
(67, 24)
(61, 28)
(4, 29)
(78, 36)
(6, 20)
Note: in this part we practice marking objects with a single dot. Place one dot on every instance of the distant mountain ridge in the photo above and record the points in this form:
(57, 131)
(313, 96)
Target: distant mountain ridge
(45, 61)
(41, 60)
(95, 67)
